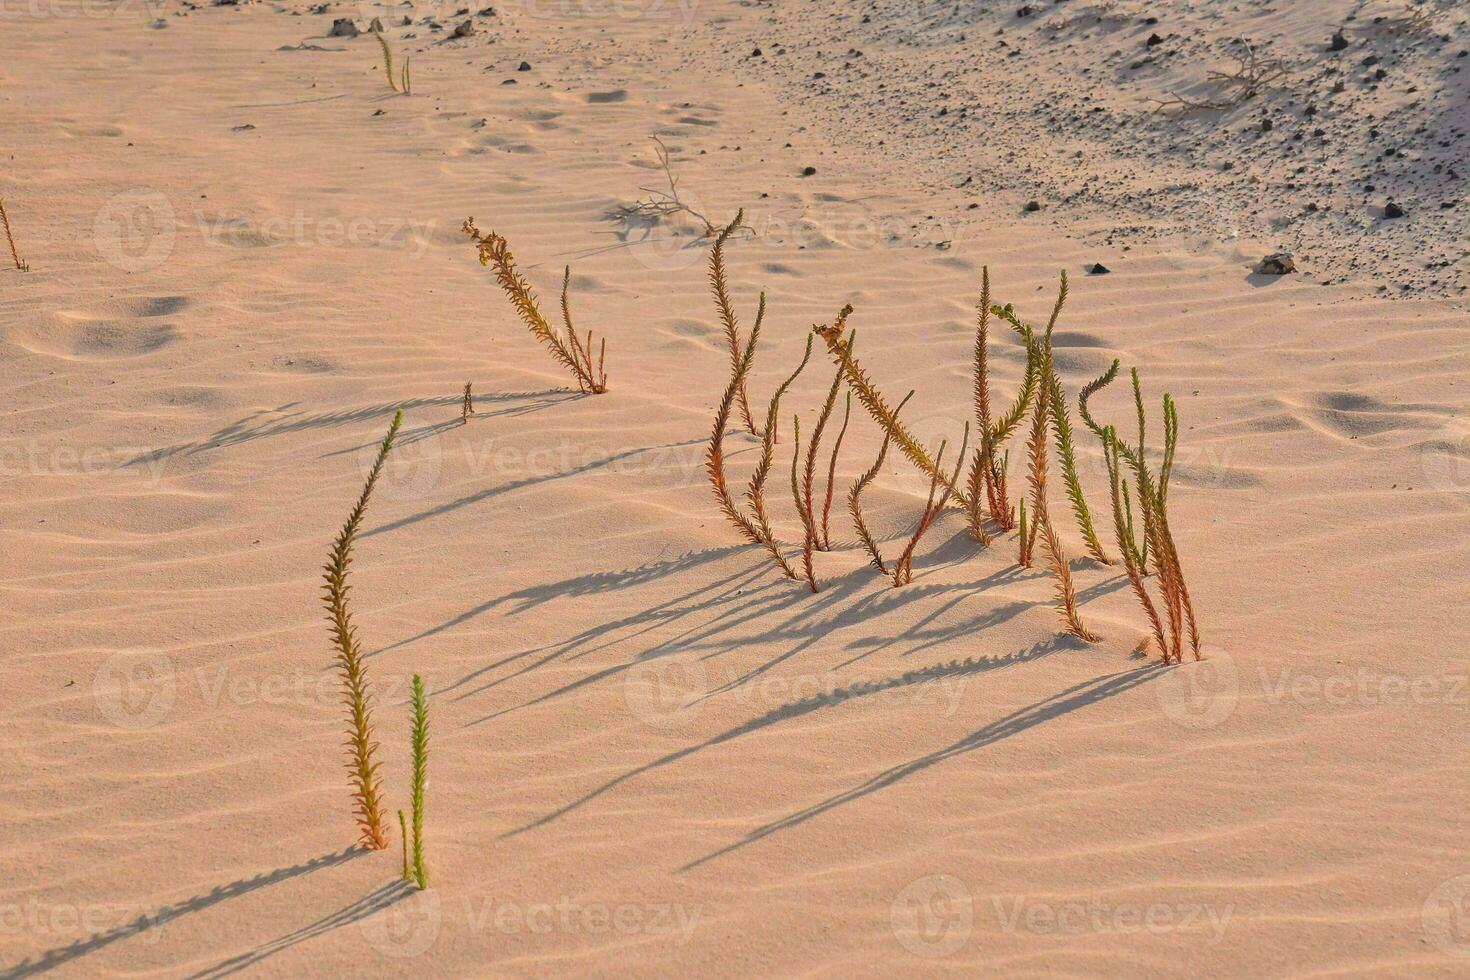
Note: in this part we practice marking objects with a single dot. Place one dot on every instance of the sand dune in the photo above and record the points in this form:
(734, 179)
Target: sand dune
(652, 755)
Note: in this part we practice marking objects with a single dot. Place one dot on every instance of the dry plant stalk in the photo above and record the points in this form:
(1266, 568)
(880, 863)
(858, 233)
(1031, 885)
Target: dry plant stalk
(720, 287)
(987, 474)
(1024, 557)
(420, 780)
(1153, 500)
(1067, 453)
(832, 474)
(873, 401)
(803, 509)
(20, 264)
(1061, 423)
(903, 569)
(756, 526)
(854, 496)
(1413, 20)
(1123, 528)
(660, 203)
(357, 693)
(1252, 76)
(806, 504)
(403, 836)
(402, 84)
(467, 406)
(1042, 419)
(573, 353)
(755, 492)
(714, 456)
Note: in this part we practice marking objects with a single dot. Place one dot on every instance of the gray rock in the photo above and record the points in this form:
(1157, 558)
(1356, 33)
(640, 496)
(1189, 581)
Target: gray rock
(343, 27)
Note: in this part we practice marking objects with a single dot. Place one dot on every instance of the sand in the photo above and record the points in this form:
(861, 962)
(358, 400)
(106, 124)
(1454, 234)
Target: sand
(651, 754)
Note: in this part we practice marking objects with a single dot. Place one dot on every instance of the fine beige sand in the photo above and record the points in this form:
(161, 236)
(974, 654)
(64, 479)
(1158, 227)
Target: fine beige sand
(652, 756)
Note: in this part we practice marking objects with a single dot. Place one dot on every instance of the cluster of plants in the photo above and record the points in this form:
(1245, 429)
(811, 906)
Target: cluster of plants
(976, 481)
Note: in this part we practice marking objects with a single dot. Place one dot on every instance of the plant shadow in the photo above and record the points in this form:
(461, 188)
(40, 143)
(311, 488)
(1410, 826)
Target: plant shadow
(61, 955)
(933, 673)
(1077, 696)
(375, 901)
(290, 417)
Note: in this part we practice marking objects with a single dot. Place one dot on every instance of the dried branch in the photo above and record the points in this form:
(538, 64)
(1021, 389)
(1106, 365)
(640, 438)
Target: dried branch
(661, 203)
(1252, 76)
(14, 255)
